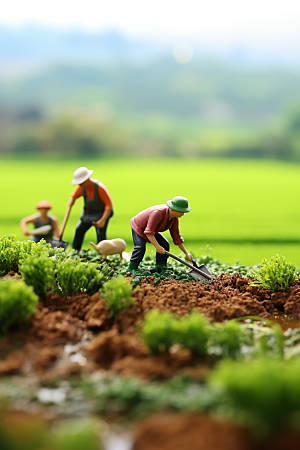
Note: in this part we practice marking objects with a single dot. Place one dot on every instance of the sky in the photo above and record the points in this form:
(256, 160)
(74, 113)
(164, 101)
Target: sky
(263, 22)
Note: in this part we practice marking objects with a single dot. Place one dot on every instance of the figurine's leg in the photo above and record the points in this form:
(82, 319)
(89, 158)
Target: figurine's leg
(161, 260)
(81, 229)
(138, 251)
(101, 232)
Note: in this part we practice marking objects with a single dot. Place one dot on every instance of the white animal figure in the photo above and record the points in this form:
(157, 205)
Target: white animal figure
(110, 247)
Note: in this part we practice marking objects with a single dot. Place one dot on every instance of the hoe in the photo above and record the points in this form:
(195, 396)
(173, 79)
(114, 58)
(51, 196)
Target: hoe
(198, 273)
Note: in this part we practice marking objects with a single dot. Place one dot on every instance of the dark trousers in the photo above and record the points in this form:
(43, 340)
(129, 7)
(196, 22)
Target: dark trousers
(140, 248)
(81, 229)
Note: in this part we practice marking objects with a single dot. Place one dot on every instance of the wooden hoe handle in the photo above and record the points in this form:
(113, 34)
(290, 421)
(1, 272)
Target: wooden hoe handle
(65, 222)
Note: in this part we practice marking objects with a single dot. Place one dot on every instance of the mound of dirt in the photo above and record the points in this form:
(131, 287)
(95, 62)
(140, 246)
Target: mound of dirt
(189, 432)
(60, 320)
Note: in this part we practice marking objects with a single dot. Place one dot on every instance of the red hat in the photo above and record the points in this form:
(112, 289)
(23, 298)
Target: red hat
(44, 204)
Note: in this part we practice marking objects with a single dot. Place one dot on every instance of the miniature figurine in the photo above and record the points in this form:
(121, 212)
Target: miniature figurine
(111, 247)
(147, 225)
(46, 225)
(97, 209)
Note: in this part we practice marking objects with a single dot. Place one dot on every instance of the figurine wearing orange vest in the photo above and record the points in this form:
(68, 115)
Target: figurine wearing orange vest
(97, 208)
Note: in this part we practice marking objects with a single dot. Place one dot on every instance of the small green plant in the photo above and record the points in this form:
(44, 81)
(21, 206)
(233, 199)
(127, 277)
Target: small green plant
(158, 331)
(276, 272)
(262, 394)
(76, 434)
(162, 330)
(38, 272)
(17, 301)
(117, 293)
(193, 332)
(8, 254)
(74, 276)
(229, 336)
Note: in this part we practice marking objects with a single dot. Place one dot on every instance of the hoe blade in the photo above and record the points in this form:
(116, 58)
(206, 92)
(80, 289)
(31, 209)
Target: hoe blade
(59, 243)
(197, 275)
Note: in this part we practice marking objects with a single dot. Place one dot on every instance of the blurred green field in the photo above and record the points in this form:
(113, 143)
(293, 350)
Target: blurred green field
(246, 210)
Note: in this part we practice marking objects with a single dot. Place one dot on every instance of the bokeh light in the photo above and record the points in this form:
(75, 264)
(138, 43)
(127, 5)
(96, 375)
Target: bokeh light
(183, 52)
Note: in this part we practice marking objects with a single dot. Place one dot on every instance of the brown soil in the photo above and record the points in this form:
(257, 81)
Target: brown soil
(37, 346)
(189, 432)
(60, 320)
(12, 274)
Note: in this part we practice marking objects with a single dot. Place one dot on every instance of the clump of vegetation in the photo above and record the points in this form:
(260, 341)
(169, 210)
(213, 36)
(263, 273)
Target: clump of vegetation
(276, 272)
(73, 276)
(229, 336)
(267, 339)
(30, 248)
(119, 395)
(178, 271)
(147, 268)
(117, 293)
(17, 301)
(108, 267)
(72, 434)
(14, 254)
(158, 331)
(193, 332)
(263, 394)
(8, 254)
(76, 434)
(38, 272)
(162, 330)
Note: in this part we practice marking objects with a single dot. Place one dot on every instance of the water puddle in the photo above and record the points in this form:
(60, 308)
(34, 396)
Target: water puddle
(285, 321)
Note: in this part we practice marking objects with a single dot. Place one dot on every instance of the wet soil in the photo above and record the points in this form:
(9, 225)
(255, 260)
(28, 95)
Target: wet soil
(114, 343)
(189, 432)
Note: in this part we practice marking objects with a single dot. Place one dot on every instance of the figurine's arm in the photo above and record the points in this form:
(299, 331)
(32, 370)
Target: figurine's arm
(71, 201)
(177, 239)
(105, 197)
(55, 227)
(188, 256)
(153, 241)
(74, 195)
(101, 222)
(25, 221)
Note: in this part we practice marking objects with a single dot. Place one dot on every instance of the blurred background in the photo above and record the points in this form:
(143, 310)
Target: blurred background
(201, 96)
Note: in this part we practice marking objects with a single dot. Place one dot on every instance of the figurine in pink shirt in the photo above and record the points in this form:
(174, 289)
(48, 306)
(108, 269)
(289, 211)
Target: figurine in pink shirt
(147, 227)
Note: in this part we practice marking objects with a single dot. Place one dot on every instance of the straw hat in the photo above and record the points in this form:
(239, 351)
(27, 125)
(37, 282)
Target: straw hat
(80, 175)
(44, 204)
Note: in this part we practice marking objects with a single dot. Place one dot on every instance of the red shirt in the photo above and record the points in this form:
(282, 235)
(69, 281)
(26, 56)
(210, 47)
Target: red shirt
(102, 190)
(153, 220)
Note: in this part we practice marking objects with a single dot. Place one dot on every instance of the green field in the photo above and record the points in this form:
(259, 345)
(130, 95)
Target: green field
(246, 210)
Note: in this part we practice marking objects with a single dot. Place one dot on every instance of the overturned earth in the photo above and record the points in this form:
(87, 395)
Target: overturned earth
(81, 325)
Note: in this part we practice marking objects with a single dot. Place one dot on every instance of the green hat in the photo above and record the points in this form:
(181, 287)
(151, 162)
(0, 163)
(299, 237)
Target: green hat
(179, 204)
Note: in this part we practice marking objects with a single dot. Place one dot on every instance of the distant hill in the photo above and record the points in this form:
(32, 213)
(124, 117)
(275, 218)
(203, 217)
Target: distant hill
(71, 93)
(202, 88)
(28, 47)
(35, 46)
